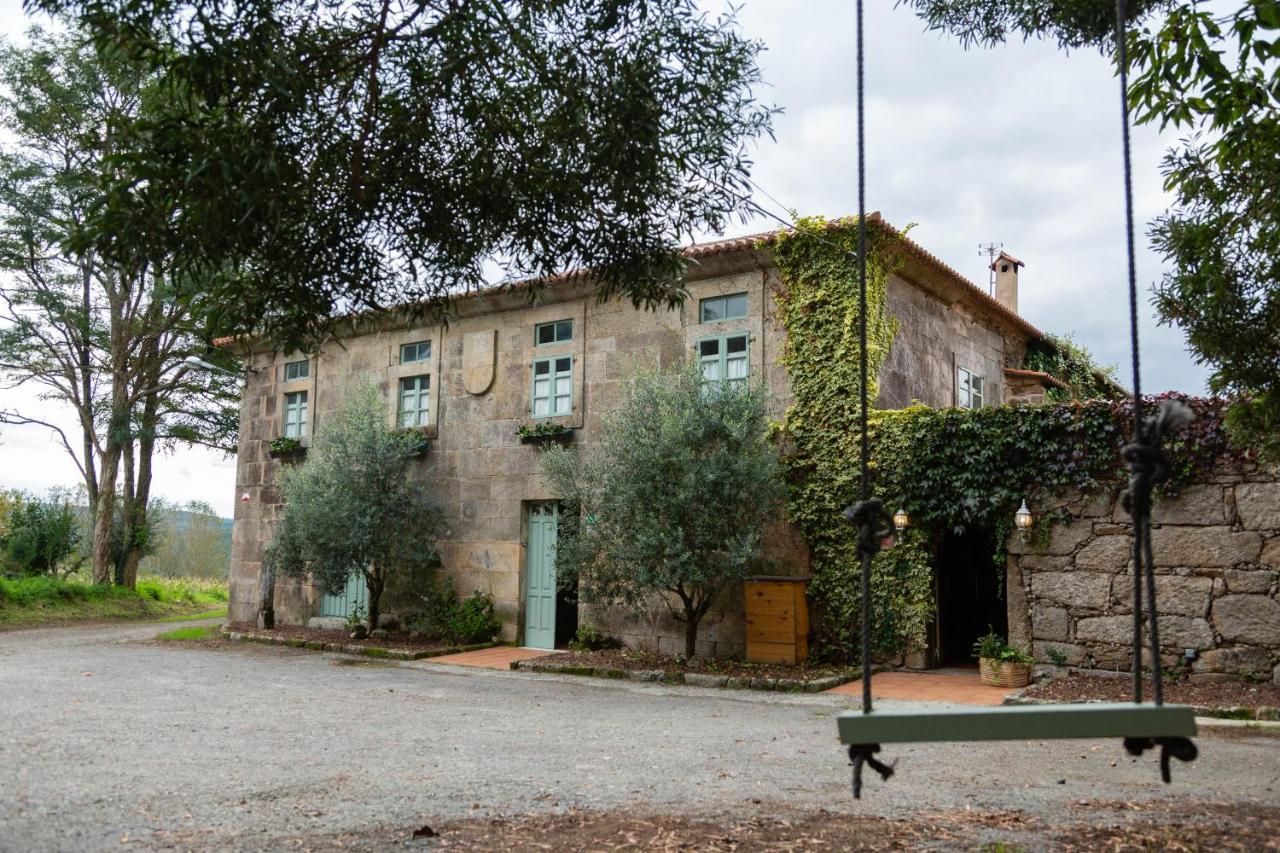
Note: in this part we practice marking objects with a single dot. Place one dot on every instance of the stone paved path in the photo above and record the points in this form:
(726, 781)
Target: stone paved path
(961, 689)
(114, 741)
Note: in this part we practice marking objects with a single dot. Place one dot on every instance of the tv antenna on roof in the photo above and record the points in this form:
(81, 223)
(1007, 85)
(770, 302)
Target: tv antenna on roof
(990, 250)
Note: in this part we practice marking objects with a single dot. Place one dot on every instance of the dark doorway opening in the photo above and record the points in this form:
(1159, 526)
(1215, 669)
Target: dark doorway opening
(971, 596)
(566, 614)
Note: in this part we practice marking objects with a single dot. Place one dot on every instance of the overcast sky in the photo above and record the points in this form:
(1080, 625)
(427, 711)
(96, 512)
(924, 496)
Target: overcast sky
(1018, 145)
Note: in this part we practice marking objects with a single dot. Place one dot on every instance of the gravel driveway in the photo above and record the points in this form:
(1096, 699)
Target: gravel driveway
(113, 740)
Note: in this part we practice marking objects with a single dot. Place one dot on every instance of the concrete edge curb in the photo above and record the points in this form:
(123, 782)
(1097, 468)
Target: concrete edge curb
(351, 648)
(691, 679)
(1263, 714)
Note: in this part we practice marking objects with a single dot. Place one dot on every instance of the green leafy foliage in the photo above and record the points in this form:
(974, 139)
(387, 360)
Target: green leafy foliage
(444, 618)
(589, 639)
(993, 647)
(42, 537)
(349, 156)
(353, 508)
(1073, 23)
(673, 500)
(549, 430)
(820, 309)
(1072, 363)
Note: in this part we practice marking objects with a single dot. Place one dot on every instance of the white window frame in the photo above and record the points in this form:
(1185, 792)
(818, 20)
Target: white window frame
(724, 299)
(971, 390)
(417, 390)
(422, 350)
(295, 414)
(302, 370)
(554, 326)
(558, 404)
(719, 361)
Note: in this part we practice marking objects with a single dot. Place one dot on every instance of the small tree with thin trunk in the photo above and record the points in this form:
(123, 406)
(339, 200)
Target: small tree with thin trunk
(352, 506)
(674, 499)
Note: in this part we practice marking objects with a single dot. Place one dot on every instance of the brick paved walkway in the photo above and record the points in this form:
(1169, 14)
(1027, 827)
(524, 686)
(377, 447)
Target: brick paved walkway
(963, 689)
(498, 657)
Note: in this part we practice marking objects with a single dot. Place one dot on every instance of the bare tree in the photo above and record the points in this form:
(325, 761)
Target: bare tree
(108, 342)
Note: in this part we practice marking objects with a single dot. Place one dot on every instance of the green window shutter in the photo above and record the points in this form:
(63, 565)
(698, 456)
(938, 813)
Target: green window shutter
(295, 414)
(725, 358)
(415, 401)
(552, 394)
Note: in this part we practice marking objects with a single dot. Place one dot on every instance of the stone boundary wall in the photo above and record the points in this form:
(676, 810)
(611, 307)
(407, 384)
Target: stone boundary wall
(1217, 556)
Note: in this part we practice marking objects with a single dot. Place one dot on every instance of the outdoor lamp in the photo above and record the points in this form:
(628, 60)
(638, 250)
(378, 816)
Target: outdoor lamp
(901, 520)
(1022, 518)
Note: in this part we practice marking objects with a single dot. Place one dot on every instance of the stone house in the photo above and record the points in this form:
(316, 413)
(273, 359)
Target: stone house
(505, 359)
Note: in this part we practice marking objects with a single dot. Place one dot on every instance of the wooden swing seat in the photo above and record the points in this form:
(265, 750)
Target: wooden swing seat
(1019, 722)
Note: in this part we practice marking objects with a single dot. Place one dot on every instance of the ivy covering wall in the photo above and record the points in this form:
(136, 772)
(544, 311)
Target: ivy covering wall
(1072, 363)
(819, 308)
(949, 468)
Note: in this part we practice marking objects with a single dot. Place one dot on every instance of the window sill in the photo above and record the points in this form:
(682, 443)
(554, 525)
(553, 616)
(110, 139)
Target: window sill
(564, 436)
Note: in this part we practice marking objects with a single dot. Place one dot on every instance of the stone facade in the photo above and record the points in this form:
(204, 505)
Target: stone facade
(1217, 557)
(480, 376)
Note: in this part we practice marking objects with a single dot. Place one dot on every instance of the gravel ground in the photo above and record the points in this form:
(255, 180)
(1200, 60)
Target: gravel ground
(114, 741)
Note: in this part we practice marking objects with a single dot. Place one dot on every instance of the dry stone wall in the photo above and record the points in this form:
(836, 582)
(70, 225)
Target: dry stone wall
(1217, 558)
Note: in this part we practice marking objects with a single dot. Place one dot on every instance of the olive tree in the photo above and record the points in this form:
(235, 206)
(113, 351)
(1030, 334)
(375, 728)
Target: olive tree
(352, 506)
(673, 500)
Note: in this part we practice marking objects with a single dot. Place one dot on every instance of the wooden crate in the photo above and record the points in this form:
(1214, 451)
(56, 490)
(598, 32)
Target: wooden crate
(777, 620)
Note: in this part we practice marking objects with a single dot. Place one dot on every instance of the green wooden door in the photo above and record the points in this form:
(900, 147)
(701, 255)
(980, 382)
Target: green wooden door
(355, 595)
(540, 577)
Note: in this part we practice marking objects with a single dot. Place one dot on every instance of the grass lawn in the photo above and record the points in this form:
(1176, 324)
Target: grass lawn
(199, 632)
(41, 600)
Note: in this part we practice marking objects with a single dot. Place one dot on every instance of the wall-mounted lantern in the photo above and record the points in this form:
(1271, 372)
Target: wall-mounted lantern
(1022, 518)
(901, 520)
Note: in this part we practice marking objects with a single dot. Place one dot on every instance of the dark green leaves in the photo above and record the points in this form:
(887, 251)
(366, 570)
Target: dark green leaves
(342, 156)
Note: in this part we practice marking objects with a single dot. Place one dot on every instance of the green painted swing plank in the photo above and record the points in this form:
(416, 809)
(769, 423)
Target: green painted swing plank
(1019, 722)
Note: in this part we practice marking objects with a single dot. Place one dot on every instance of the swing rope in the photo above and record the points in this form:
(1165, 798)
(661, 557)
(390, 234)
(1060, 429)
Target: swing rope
(1148, 465)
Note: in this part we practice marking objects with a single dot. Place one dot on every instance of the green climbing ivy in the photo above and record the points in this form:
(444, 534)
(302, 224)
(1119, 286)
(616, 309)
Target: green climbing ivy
(1072, 363)
(819, 308)
(951, 469)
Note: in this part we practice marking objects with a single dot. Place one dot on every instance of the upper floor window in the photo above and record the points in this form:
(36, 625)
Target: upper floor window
(724, 359)
(295, 414)
(417, 351)
(553, 333)
(297, 370)
(717, 308)
(552, 386)
(970, 389)
(415, 399)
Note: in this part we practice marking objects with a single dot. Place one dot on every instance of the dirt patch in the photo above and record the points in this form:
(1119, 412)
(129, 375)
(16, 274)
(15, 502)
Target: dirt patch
(1100, 826)
(394, 640)
(635, 660)
(1218, 694)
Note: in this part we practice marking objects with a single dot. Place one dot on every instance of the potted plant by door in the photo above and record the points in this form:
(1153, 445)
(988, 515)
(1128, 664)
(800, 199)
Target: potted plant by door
(1000, 664)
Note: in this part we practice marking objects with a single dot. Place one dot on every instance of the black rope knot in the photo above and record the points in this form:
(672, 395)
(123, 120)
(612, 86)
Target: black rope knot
(1181, 748)
(860, 753)
(1148, 465)
(873, 523)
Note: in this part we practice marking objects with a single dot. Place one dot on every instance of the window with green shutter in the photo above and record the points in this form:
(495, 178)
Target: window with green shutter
(552, 386)
(295, 414)
(724, 358)
(415, 401)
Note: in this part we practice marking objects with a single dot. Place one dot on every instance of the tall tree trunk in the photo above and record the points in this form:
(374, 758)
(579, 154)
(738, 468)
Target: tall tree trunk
(128, 506)
(690, 633)
(374, 582)
(136, 518)
(103, 514)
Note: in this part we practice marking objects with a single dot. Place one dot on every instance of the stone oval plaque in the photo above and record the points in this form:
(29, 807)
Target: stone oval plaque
(479, 353)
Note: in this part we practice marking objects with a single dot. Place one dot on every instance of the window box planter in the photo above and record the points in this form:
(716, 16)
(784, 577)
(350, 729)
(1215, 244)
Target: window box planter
(420, 447)
(288, 449)
(545, 434)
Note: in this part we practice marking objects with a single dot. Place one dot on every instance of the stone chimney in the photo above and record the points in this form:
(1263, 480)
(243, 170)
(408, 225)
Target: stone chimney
(1006, 270)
